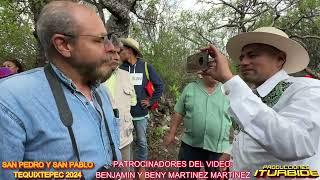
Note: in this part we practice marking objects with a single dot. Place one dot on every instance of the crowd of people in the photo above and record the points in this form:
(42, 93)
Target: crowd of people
(92, 97)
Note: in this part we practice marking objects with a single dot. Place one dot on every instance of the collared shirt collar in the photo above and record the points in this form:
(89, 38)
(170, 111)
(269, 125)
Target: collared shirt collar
(202, 86)
(270, 83)
(67, 81)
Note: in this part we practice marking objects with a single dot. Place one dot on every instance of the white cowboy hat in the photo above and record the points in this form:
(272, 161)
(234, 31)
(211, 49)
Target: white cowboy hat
(297, 57)
(132, 44)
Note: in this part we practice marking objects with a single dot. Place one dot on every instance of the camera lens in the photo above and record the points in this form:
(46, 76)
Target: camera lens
(201, 60)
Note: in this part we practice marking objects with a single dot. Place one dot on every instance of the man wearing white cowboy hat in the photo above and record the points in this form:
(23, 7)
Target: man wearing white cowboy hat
(140, 72)
(279, 120)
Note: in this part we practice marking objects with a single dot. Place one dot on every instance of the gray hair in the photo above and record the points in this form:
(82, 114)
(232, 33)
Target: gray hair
(54, 18)
(116, 41)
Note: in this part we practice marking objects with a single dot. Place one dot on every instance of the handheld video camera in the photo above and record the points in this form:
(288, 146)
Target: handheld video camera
(197, 62)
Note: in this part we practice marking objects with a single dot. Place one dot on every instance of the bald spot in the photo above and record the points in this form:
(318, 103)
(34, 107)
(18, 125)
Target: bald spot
(84, 18)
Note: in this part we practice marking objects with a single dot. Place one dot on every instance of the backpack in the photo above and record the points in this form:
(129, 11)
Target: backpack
(149, 88)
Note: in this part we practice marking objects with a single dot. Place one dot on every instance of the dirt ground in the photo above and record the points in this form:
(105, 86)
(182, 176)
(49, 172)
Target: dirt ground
(158, 125)
(158, 151)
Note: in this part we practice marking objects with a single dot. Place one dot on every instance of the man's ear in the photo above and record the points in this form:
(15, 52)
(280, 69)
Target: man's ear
(282, 59)
(62, 45)
(130, 52)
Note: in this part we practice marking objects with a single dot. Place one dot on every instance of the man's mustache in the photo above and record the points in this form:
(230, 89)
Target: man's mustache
(105, 61)
(109, 61)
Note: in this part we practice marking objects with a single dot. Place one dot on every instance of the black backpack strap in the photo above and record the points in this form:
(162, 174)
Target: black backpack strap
(114, 157)
(62, 105)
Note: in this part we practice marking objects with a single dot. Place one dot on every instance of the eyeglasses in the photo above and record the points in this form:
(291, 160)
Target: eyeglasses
(103, 38)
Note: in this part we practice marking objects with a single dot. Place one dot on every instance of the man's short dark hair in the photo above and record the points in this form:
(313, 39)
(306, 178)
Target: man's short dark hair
(133, 50)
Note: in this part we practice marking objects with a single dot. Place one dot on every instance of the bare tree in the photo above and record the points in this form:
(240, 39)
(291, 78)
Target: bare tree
(119, 21)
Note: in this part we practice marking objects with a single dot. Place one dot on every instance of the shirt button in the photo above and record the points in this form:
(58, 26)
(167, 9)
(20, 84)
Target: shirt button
(87, 103)
(227, 92)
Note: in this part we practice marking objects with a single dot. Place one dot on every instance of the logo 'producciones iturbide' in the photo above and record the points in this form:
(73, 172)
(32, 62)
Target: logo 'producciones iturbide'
(286, 171)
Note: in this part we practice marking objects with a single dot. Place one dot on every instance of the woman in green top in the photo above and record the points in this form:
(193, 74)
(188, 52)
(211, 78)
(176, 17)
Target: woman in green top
(203, 108)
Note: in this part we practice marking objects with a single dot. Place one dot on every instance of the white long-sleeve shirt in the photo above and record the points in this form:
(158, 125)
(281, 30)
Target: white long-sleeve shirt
(286, 134)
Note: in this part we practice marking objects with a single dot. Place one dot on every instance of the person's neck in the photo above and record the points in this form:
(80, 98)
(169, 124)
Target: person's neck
(132, 60)
(256, 84)
(210, 86)
(82, 83)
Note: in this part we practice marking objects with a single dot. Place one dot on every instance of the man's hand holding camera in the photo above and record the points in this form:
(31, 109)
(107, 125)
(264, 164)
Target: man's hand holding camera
(219, 68)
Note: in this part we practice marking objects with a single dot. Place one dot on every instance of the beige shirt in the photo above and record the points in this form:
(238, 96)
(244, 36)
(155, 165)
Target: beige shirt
(121, 90)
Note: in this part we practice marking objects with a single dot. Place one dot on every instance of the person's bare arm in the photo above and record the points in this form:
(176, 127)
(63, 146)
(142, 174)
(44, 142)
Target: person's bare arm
(176, 120)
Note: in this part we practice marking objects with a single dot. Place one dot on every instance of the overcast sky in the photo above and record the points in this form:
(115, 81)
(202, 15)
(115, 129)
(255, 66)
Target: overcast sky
(188, 4)
(192, 5)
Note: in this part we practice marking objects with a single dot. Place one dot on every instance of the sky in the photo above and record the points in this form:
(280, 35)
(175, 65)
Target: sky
(194, 5)
(188, 4)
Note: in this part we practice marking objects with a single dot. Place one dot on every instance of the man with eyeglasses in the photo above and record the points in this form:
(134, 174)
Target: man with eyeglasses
(79, 52)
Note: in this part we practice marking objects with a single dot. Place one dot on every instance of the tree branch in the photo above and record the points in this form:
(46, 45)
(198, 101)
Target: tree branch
(186, 37)
(313, 73)
(148, 20)
(252, 25)
(300, 19)
(222, 26)
(305, 37)
(117, 9)
(253, 17)
(232, 6)
(201, 35)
